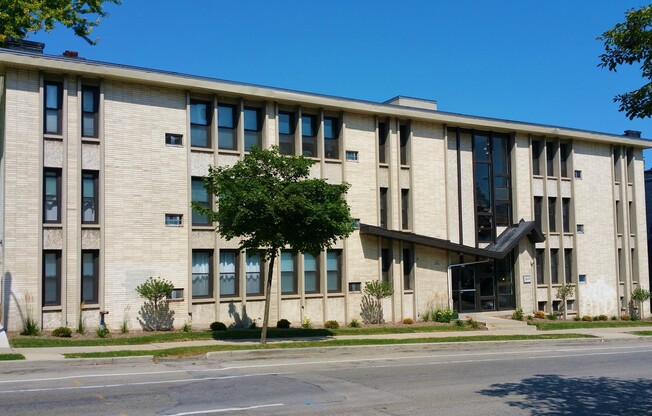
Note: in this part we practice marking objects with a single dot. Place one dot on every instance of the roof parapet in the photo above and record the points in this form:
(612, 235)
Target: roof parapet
(24, 45)
(632, 133)
(410, 102)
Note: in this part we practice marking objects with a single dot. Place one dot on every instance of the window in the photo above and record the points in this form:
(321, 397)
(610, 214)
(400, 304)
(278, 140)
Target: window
(565, 213)
(355, 287)
(90, 107)
(229, 286)
(352, 156)
(200, 124)
(617, 172)
(620, 267)
(539, 261)
(334, 271)
(501, 179)
(538, 201)
(172, 139)
(310, 273)
(408, 277)
(174, 220)
(202, 274)
(288, 273)
(226, 124)
(200, 196)
(176, 294)
(405, 209)
(382, 142)
(580, 228)
(568, 265)
(53, 104)
(89, 197)
(632, 218)
(552, 215)
(536, 156)
(386, 264)
(286, 126)
(582, 278)
(309, 135)
(252, 128)
(51, 277)
(90, 276)
(383, 207)
(618, 227)
(52, 196)
(254, 281)
(564, 150)
(550, 159)
(404, 133)
(331, 137)
(578, 174)
(554, 266)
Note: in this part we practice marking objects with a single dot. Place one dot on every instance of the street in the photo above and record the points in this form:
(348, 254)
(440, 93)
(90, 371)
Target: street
(579, 377)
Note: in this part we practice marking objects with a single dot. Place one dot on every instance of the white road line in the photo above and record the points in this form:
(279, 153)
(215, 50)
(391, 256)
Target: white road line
(228, 409)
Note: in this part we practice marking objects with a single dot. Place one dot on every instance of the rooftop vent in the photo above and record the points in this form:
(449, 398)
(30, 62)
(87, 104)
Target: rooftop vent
(413, 103)
(71, 54)
(633, 133)
(24, 45)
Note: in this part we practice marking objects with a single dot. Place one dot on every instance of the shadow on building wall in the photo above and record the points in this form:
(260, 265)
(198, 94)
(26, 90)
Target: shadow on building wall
(239, 320)
(156, 319)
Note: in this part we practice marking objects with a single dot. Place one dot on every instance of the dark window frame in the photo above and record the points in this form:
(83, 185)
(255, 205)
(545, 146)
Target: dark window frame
(405, 209)
(287, 140)
(551, 150)
(57, 277)
(404, 143)
(95, 277)
(211, 274)
(536, 157)
(174, 139)
(383, 202)
(538, 211)
(386, 264)
(230, 129)
(173, 224)
(337, 271)
(554, 266)
(564, 155)
(552, 214)
(261, 273)
(294, 271)
(310, 140)
(332, 142)
(235, 274)
(94, 200)
(58, 108)
(568, 265)
(565, 214)
(57, 197)
(258, 131)
(317, 272)
(408, 269)
(540, 266)
(383, 132)
(94, 111)
(207, 204)
(206, 127)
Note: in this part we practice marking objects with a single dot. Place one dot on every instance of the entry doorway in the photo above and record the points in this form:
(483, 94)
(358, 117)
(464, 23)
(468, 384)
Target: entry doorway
(483, 287)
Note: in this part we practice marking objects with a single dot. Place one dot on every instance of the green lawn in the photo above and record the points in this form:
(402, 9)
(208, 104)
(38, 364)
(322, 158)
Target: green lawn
(552, 325)
(10, 357)
(194, 351)
(643, 333)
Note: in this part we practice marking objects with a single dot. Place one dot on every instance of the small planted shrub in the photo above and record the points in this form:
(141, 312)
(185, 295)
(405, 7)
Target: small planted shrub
(355, 323)
(603, 318)
(473, 323)
(614, 318)
(530, 317)
(102, 332)
(306, 323)
(217, 326)
(518, 315)
(331, 324)
(187, 327)
(587, 318)
(577, 318)
(444, 315)
(408, 321)
(459, 323)
(596, 318)
(283, 324)
(30, 327)
(539, 314)
(625, 317)
(62, 332)
(552, 316)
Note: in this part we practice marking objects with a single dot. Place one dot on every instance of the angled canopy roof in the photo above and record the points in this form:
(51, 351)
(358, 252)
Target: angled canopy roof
(504, 244)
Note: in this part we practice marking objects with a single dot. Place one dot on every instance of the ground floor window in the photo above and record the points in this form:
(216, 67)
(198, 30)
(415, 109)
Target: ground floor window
(202, 276)
(334, 271)
(90, 276)
(288, 273)
(228, 273)
(253, 276)
(310, 273)
(51, 277)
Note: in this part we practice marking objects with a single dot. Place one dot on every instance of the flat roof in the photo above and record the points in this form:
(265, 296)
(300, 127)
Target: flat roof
(200, 84)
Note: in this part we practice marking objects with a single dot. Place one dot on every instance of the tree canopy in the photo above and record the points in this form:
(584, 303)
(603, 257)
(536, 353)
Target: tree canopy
(628, 43)
(268, 201)
(18, 18)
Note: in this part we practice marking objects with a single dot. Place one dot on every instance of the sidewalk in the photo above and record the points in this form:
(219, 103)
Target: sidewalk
(495, 326)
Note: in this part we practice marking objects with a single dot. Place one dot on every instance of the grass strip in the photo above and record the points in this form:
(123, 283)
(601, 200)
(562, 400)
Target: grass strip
(194, 351)
(643, 333)
(552, 325)
(11, 357)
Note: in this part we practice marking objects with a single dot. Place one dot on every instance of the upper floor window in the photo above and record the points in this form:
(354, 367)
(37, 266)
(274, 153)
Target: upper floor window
(202, 197)
(550, 158)
(538, 202)
(51, 277)
(536, 157)
(173, 139)
(90, 276)
(90, 111)
(200, 123)
(229, 273)
(405, 209)
(568, 265)
(53, 103)
(386, 264)
(382, 142)
(331, 137)
(52, 195)
(89, 197)
(565, 214)
(252, 128)
(552, 215)
(334, 271)
(383, 207)
(404, 133)
(539, 270)
(309, 135)
(564, 153)
(226, 127)
(408, 265)
(554, 266)
(202, 273)
(286, 127)
(288, 273)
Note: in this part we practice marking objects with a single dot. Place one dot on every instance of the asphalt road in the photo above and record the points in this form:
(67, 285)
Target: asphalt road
(525, 378)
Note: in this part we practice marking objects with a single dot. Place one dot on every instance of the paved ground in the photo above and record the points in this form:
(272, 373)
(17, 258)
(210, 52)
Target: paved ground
(495, 325)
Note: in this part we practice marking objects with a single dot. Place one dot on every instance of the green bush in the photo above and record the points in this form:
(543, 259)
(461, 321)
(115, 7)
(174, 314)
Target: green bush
(530, 317)
(614, 318)
(218, 326)
(459, 322)
(283, 324)
(62, 332)
(625, 317)
(331, 325)
(30, 326)
(552, 316)
(577, 318)
(473, 323)
(187, 327)
(587, 318)
(603, 318)
(596, 318)
(306, 323)
(518, 315)
(103, 332)
(355, 323)
(444, 315)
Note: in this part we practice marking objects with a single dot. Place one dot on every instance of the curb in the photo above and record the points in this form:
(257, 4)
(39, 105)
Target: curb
(34, 364)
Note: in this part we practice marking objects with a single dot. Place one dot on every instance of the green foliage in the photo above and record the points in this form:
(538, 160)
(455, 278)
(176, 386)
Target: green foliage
(473, 323)
(30, 325)
(103, 332)
(155, 290)
(625, 317)
(564, 292)
(378, 289)
(124, 325)
(552, 316)
(459, 323)
(444, 315)
(530, 317)
(587, 318)
(331, 324)
(62, 332)
(603, 318)
(355, 323)
(81, 323)
(577, 318)
(217, 326)
(371, 309)
(641, 294)
(628, 43)
(518, 315)
(283, 324)
(306, 324)
(186, 327)
(614, 318)
(20, 17)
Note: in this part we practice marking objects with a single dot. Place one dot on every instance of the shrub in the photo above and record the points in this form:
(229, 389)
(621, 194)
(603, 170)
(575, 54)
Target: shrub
(103, 332)
(372, 307)
(155, 290)
(577, 318)
(518, 315)
(473, 323)
(539, 314)
(587, 318)
(355, 323)
(552, 316)
(331, 324)
(124, 325)
(283, 324)
(30, 326)
(81, 323)
(306, 324)
(408, 321)
(625, 317)
(187, 327)
(603, 318)
(614, 318)
(459, 323)
(530, 317)
(595, 318)
(62, 332)
(444, 315)
(218, 326)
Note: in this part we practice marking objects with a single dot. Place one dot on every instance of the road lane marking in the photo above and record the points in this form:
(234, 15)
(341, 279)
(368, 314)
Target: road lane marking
(228, 409)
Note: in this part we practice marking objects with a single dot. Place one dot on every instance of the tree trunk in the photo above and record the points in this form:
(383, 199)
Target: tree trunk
(268, 291)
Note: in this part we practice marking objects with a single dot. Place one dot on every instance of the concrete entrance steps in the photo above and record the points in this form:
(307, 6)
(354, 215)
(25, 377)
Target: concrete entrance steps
(500, 321)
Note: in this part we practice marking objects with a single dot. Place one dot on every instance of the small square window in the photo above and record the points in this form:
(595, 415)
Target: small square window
(580, 228)
(582, 279)
(173, 139)
(570, 305)
(351, 155)
(355, 286)
(555, 305)
(356, 223)
(541, 306)
(176, 294)
(578, 174)
(173, 220)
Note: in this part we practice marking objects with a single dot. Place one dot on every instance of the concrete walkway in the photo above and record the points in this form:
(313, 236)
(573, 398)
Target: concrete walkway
(496, 325)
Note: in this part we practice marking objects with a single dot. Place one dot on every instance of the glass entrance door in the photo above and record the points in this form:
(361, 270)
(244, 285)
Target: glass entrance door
(464, 290)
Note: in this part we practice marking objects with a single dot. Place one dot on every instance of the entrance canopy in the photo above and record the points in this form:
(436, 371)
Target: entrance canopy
(504, 244)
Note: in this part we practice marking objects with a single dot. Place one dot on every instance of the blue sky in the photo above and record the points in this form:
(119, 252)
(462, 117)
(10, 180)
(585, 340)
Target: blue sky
(530, 61)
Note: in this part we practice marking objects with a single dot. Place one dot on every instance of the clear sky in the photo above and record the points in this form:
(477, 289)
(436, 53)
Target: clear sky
(533, 61)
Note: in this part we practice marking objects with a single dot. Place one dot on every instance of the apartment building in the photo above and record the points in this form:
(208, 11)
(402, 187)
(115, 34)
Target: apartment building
(99, 165)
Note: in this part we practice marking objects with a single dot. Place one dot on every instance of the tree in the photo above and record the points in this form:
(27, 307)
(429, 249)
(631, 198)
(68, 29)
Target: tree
(641, 295)
(156, 314)
(372, 306)
(20, 17)
(563, 293)
(628, 43)
(268, 201)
